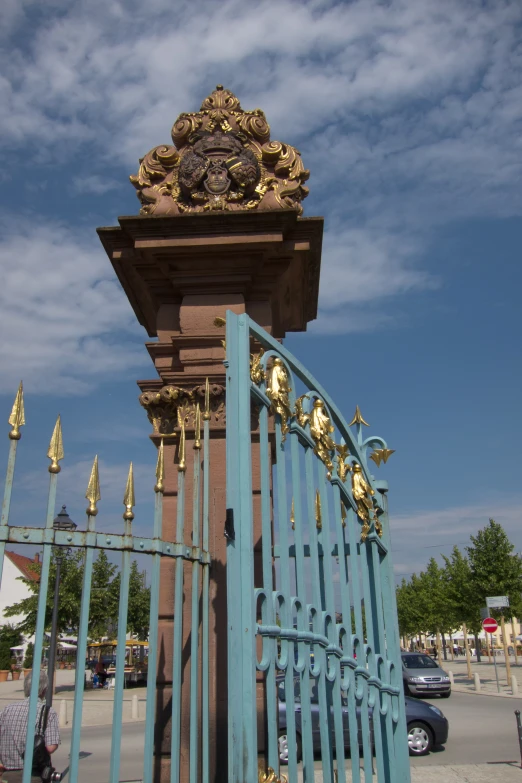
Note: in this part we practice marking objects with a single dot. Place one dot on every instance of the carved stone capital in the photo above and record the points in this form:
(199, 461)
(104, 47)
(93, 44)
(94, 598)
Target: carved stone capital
(172, 404)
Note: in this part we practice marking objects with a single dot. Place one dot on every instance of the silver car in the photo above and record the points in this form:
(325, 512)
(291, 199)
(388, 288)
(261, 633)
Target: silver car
(423, 676)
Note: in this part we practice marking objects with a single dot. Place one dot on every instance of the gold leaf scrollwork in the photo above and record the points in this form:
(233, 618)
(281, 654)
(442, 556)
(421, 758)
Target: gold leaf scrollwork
(363, 494)
(269, 776)
(164, 406)
(381, 455)
(301, 417)
(320, 429)
(277, 392)
(343, 468)
(257, 373)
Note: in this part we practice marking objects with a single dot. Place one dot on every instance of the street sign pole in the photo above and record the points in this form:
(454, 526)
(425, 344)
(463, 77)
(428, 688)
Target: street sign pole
(494, 661)
(506, 653)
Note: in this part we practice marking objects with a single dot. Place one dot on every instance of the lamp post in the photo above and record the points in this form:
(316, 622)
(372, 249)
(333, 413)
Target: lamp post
(60, 522)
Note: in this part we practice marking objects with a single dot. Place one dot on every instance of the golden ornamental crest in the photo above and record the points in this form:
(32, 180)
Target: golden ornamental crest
(222, 159)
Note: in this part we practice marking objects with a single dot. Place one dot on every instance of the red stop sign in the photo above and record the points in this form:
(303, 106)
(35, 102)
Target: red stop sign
(490, 625)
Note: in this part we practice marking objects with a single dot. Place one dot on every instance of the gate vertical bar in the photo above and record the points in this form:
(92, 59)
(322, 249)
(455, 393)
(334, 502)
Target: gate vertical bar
(178, 618)
(153, 619)
(306, 714)
(55, 454)
(16, 420)
(240, 578)
(402, 761)
(119, 678)
(93, 495)
(194, 633)
(266, 546)
(205, 594)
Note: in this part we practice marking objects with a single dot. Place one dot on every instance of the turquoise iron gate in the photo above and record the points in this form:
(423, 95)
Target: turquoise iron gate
(156, 548)
(313, 644)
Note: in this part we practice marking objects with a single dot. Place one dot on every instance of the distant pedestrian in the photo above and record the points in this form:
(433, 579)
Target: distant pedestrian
(13, 731)
(434, 651)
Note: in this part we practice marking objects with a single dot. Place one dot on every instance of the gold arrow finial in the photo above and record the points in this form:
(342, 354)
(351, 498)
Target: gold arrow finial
(93, 489)
(181, 461)
(17, 417)
(318, 512)
(197, 428)
(343, 514)
(206, 413)
(358, 418)
(128, 499)
(160, 470)
(381, 455)
(55, 451)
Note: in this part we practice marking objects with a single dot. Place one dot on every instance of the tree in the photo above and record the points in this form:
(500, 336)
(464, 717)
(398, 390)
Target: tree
(71, 573)
(103, 609)
(139, 604)
(495, 569)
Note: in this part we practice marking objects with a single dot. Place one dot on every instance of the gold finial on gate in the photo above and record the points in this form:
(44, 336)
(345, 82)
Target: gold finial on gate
(160, 470)
(358, 418)
(93, 489)
(318, 512)
(381, 455)
(17, 417)
(292, 515)
(206, 412)
(197, 428)
(128, 499)
(181, 460)
(55, 450)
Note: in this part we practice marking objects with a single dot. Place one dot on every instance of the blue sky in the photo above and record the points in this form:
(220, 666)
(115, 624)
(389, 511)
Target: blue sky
(408, 115)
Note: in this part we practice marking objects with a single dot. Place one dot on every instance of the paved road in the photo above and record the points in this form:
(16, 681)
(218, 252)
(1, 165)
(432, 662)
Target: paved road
(482, 730)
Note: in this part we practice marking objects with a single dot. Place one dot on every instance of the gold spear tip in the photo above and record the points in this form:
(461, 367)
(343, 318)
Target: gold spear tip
(318, 512)
(160, 470)
(128, 499)
(17, 417)
(93, 489)
(197, 428)
(182, 466)
(292, 515)
(206, 413)
(55, 450)
(358, 418)
(381, 455)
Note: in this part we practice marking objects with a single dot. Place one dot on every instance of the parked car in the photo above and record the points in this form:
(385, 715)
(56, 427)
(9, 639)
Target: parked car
(427, 726)
(422, 676)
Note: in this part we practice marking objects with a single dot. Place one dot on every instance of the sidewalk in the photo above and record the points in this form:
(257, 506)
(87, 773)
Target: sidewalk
(486, 672)
(97, 704)
(451, 773)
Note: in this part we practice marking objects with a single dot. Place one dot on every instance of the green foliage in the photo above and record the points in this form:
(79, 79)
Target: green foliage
(5, 656)
(105, 593)
(29, 654)
(495, 569)
(10, 636)
(443, 598)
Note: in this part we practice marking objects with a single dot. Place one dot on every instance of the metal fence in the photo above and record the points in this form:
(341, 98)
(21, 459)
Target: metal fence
(156, 548)
(315, 624)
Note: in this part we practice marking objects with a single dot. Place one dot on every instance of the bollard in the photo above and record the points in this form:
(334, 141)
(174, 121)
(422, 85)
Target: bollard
(514, 685)
(452, 679)
(519, 729)
(134, 708)
(477, 682)
(62, 715)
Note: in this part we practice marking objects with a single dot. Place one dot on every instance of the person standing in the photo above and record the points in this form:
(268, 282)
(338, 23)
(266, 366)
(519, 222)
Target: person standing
(13, 731)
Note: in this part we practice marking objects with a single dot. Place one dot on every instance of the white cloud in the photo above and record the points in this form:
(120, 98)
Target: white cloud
(64, 320)
(407, 113)
(420, 535)
(94, 184)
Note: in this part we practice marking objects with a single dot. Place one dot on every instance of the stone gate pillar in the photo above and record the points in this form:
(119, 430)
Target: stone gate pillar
(219, 229)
